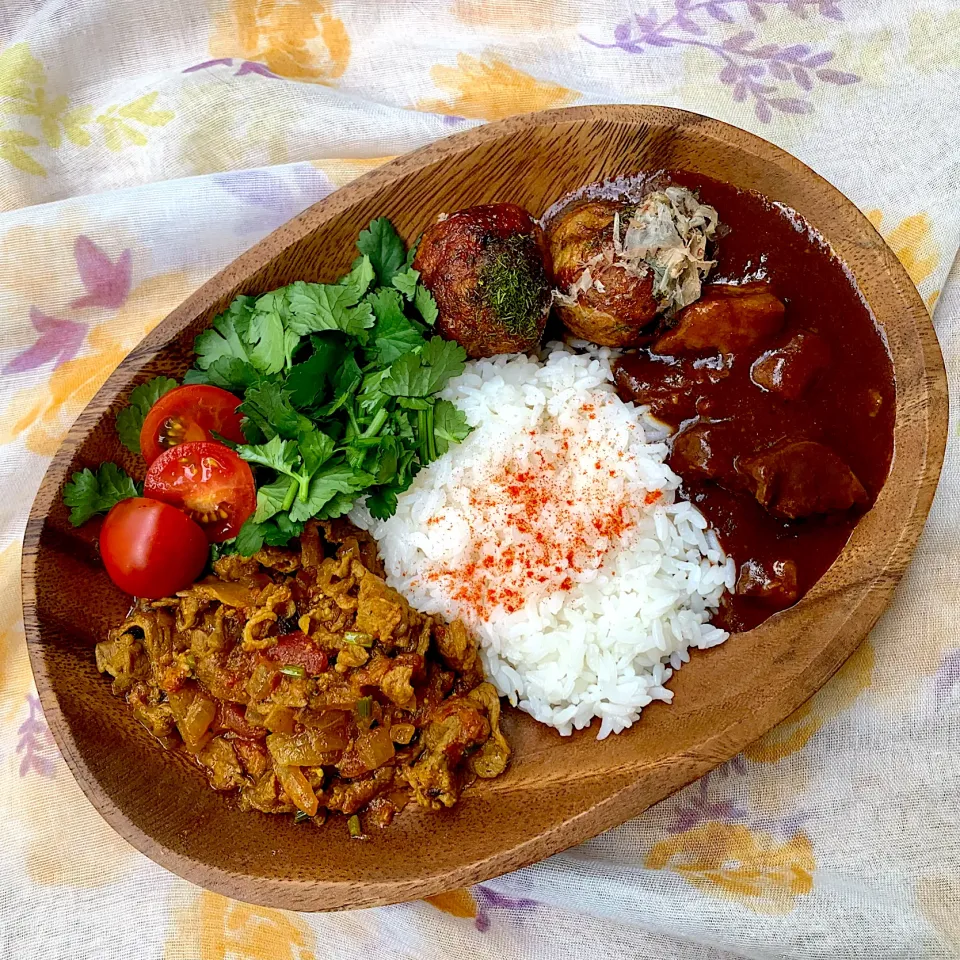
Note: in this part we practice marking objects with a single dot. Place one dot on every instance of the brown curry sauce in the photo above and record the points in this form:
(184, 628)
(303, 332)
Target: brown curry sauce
(848, 407)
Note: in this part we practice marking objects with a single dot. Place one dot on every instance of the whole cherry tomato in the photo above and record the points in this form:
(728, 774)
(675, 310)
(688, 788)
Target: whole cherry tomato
(151, 549)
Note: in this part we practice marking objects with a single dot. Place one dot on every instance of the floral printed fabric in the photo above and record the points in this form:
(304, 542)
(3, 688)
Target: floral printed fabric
(144, 145)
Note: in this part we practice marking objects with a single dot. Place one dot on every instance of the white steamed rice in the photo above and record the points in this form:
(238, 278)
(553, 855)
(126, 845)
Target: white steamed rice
(599, 633)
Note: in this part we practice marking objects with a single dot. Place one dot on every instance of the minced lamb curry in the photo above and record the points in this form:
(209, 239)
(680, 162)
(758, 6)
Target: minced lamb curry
(299, 680)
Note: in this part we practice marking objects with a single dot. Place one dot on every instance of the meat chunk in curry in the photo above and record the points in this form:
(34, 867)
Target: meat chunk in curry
(727, 318)
(674, 388)
(789, 370)
(801, 479)
(701, 451)
(772, 582)
(300, 681)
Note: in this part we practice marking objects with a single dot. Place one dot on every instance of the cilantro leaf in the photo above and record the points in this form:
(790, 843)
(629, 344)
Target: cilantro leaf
(229, 373)
(446, 359)
(249, 538)
(388, 459)
(307, 381)
(371, 398)
(316, 448)
(266, 333)
(385, 249)
(412, 252)
(280, 530)
(386, 304)
(406, 377)
(382, 503)
(426, 305)
(278, 454)
(360, 276)
(414, 403)
(406, 281)
(325, 485)
(277, 532)
(90, 493)
(315, 307)
(426, 372)
(268, 405)
(393, 335)
(270, 498)
(251, 432)
(227, 337)
(449, 425)
(130, 418)
(291, 341)
(345, 383)
(341, 504)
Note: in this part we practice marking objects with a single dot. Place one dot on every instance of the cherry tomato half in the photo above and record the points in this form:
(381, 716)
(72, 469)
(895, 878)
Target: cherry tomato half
(188, 414)
(151, 549)
(209, 482)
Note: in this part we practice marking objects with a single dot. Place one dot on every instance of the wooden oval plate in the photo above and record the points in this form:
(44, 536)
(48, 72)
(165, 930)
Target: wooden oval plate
(557, 791)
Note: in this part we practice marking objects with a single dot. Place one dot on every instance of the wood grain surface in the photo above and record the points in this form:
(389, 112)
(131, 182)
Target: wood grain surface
(558, 791)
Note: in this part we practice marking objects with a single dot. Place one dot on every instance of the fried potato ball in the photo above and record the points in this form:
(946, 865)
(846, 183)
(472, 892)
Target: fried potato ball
(488, 269)
(601, 300)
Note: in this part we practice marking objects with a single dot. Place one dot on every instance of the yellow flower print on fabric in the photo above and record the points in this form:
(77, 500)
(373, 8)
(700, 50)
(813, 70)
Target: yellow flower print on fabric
(120, 123)
(837, 695)
(12, 144)
(56, 118)
(729, 860)
(508, 15)
(490, 89)
(216, 928)
(457, 903)
(341, 170)
(299, 39)
(51, 121)
(934, 41)
(54, 813)
(43, 414)
(19, 70)
(912, 241)
(14, 666)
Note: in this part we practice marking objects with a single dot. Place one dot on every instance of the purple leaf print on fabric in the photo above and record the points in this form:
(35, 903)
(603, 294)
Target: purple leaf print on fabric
(59, 342)
(36, 742)
(745, 63)
(274, 197)
(704, 801)
(837, 76)
(946, 685)
(246, 66)
(488, 900)
(699, 807)
(107, 283)
(251, 66)
(221, 62)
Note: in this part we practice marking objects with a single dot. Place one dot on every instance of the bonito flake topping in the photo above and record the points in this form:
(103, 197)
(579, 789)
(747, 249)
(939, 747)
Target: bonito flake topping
(668, 233)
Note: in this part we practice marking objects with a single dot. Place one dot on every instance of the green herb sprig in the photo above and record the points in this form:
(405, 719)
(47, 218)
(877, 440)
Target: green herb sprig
(339, 385)
(89, 493)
